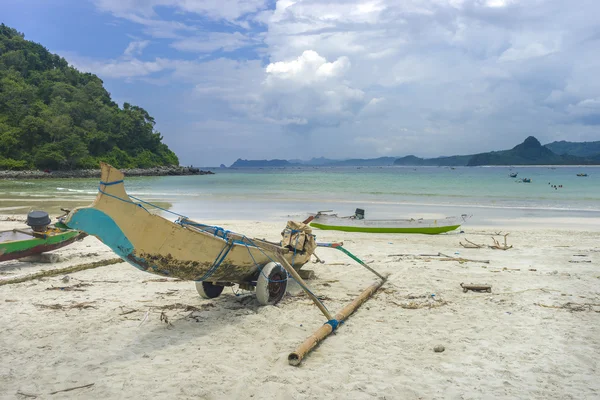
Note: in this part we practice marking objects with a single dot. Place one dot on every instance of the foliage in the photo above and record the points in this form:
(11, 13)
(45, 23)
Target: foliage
(579, 149)
(53, 116)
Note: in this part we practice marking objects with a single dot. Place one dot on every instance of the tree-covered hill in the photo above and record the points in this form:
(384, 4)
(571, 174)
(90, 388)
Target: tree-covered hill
(55, 117)
(579, 149)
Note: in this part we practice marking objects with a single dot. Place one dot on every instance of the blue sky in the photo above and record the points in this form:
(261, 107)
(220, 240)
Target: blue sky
(298, 79)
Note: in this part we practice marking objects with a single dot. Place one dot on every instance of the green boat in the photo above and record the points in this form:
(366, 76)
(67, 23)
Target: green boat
(39, 237)
(357, 223)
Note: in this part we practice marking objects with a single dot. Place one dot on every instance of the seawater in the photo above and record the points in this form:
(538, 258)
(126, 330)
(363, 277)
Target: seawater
(486, 193)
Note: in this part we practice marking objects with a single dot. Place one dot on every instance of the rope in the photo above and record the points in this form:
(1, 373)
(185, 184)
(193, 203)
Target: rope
(124, 200)
(334, 324)
(218, 260)
(111, 183)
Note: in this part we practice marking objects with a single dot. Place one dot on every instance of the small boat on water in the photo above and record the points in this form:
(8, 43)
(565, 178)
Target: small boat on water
(40, 236)
(358, 223)
(582, 174)
(513, 174)
(188, 250)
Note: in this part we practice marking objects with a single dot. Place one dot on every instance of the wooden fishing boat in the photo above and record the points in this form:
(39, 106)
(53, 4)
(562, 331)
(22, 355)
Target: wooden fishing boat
(188, 250)
(357, 223)
(513, 174)
(39, 237)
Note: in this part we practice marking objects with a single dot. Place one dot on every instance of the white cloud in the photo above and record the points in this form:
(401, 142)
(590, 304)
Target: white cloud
(310, 91)
(230, 10)
(136, 48)
(120, 68)
(214, 41)
(462, 75)
(306, 69)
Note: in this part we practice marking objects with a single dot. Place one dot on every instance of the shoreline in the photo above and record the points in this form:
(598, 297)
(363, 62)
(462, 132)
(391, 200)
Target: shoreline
(95, 173)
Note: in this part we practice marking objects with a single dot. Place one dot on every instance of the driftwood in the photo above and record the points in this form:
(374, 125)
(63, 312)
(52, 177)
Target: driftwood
(61, 271)
(445, 257)
(495, 246)
(73, 388)
(80, 306)
(476, 287)
(471, 245)
(570, 306)
(460, 259)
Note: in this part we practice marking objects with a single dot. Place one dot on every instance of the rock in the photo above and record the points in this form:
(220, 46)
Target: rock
(439, 348)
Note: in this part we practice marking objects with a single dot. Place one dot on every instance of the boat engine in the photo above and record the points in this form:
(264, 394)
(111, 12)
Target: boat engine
(359, 213)
(38, 221)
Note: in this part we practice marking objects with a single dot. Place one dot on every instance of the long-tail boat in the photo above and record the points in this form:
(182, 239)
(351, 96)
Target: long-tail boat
(188, 250)
(358, 223)
(209, 255)
(38, 237)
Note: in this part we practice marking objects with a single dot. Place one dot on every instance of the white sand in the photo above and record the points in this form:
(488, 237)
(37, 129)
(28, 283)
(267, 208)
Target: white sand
(498, 345)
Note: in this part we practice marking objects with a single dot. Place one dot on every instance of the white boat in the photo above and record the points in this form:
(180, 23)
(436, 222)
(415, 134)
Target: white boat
(357, 223)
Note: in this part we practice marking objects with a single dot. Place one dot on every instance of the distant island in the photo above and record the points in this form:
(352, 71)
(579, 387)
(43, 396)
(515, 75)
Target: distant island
(530, 152)
(55, 118)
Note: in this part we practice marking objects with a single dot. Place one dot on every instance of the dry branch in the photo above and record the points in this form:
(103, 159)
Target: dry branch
(61, 271)
(73, 388)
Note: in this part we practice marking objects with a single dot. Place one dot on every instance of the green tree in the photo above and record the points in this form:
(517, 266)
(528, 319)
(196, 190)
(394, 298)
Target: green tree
(53, 116)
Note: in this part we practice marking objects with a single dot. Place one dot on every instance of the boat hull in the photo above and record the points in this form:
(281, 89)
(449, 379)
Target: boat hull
(156, 245)
(423, 230)
(15, 246)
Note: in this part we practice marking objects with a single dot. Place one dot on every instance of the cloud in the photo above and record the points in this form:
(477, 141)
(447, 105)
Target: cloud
(373, 76)
(136, 48)
(213, 41)
(309, 91)
(120, 68)
(229, 10)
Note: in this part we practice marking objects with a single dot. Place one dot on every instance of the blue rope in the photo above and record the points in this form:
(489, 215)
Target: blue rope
(111, 183)
(124, 200)
(218, 260)
(334, 324)
(155, 206)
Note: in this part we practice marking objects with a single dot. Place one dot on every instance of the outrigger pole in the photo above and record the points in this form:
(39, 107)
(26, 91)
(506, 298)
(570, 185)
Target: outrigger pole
(295, 358)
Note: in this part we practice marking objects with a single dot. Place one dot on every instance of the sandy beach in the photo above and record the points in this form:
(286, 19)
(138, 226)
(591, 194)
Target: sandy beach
(124, 334)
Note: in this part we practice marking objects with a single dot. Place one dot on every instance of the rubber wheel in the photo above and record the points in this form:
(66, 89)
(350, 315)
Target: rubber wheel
(208, 290)
(271, 284)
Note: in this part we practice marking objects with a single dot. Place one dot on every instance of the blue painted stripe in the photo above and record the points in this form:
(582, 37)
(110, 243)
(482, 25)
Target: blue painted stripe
(97, 223)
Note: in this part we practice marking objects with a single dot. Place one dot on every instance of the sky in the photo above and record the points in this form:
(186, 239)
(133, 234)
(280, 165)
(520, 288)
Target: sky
(266, 79)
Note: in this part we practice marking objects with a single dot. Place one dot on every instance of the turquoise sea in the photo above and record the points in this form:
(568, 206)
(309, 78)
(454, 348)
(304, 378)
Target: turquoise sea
(486, 193)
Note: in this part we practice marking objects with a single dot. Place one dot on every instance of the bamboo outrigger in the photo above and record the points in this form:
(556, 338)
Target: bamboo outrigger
(209, 255)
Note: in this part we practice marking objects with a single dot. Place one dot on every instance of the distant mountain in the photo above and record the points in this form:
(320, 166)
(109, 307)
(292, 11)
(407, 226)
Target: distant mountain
(365, 162)
(261, 163)
(452, 161)
(314, 161)
(358, 162)
(530, 152)
(579, 149)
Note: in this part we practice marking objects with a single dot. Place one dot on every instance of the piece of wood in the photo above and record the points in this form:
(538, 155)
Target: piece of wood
(476, 287)
(73, 388)
(471, 245)
(460, 259)
(61, 271)
(31, 233)
(296, 357)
